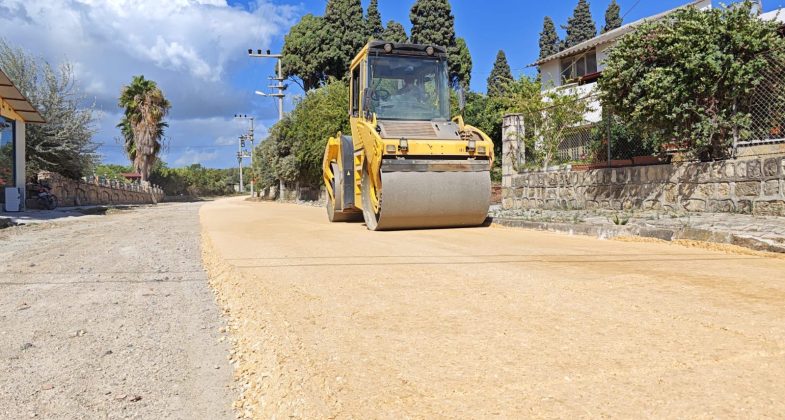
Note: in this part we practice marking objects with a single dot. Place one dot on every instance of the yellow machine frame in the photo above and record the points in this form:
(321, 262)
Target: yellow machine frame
(369, 148)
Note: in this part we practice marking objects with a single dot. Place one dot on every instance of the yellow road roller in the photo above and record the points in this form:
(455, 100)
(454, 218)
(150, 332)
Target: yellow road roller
(407, 163)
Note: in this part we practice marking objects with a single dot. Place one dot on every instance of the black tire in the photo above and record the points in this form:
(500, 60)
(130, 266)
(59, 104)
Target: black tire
(52, 204)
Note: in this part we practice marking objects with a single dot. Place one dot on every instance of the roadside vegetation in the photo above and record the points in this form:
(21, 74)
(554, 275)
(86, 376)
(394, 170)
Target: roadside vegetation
(64, 143)
(194, 180)
(688, 81)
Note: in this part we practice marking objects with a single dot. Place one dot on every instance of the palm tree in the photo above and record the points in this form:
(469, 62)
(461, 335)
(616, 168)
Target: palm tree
(143, 124)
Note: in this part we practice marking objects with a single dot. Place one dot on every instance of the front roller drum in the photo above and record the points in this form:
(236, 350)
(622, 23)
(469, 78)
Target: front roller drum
(429, 194)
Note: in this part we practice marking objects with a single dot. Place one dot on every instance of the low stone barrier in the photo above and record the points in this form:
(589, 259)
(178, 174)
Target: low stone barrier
(753, 185)
(96, 191)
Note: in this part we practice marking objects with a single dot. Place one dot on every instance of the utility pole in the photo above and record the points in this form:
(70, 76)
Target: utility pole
(240, 161)
(250, 137)
(280, 95)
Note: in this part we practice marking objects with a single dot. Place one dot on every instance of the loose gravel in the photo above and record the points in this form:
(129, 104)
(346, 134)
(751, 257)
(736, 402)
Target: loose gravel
(111, 317)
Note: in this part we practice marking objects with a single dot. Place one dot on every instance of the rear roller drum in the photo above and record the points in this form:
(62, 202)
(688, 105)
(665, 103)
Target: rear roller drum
(334, 214)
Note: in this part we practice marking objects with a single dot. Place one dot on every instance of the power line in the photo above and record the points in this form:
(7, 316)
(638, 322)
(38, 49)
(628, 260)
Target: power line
(102, 145)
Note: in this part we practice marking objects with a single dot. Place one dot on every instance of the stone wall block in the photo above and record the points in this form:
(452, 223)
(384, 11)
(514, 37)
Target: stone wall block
(721, 206)
(771, 167)
(744, 206)
(704, 172)
(771, 188)
(741, 170)
(754, 169)
(728, 170)
(769, 208)
(695, 205)
(747, 189)
(723, 190)
(671, 195)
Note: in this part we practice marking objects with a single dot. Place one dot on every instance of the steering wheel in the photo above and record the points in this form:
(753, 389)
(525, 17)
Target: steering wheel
(380, 94)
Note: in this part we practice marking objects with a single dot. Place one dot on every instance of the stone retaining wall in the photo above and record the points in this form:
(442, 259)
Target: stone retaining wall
(750, 185)
(71, 192)
(753, 183)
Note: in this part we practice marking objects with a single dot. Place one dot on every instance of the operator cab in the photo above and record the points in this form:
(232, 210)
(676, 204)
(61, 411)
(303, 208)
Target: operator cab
(407, 82)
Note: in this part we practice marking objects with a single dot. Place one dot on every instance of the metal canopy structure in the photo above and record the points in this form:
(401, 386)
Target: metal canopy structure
(11, 95)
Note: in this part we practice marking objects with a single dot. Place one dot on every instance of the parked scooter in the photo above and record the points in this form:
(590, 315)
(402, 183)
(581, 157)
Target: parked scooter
(46, 199)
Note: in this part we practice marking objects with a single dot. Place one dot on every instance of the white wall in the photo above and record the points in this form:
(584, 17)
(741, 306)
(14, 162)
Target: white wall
(550, 73)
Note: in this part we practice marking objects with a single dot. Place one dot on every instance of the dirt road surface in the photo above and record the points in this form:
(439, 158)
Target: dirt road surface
(111, 317)
(336, 321)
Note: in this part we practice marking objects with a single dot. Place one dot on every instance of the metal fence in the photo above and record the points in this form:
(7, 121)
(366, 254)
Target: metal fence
(767, 108)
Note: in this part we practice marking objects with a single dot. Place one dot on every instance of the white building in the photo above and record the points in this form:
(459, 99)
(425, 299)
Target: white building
(15, 112)
(576, 69)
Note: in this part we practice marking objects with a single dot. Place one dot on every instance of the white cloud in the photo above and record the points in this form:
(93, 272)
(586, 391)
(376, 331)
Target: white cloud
(226, 141)
(192, 48)
(190, 156)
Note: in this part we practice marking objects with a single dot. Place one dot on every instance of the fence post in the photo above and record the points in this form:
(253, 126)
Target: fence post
(735, 134)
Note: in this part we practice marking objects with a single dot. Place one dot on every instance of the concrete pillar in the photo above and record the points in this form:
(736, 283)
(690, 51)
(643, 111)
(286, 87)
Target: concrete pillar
(19, 157)
(512, 147)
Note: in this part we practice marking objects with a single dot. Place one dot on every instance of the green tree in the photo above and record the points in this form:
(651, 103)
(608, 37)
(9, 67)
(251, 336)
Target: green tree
(691, 78)
(145, 110)
(500, 77)
(294, 149)
(434, 23)
(613, 17)
(302, 52)
(460, 60)
(64, 144)
(395, 32)
(550, 43)
(375, 27)
(111, 171)
(346, 34)
(580, 26)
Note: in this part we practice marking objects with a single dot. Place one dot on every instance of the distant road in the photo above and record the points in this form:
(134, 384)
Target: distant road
(334, 320)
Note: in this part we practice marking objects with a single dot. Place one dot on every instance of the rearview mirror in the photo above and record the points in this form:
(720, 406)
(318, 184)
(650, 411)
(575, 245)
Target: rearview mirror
(461, 99)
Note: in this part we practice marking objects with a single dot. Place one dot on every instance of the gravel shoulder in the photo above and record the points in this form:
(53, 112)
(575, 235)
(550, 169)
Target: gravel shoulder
(334, 321)
(111, 317)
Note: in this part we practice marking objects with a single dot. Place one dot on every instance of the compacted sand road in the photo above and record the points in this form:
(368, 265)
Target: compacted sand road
(336, 321)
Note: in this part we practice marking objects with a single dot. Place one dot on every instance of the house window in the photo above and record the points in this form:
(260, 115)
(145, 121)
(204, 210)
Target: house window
(575, 67)
(7, 164)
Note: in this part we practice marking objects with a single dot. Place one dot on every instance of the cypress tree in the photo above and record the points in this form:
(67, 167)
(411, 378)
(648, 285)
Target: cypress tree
(549, 40)
(434, 23)
(460, 64)
(612, 17)
(500, 76)
(375, 28)
(395, 33)
(345, 24)
(580, 26)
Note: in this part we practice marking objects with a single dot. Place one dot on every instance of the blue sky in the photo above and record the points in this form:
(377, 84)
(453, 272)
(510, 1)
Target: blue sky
(196, 50)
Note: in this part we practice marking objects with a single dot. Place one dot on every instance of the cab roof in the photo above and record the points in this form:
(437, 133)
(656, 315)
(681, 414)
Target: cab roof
(410, 50)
